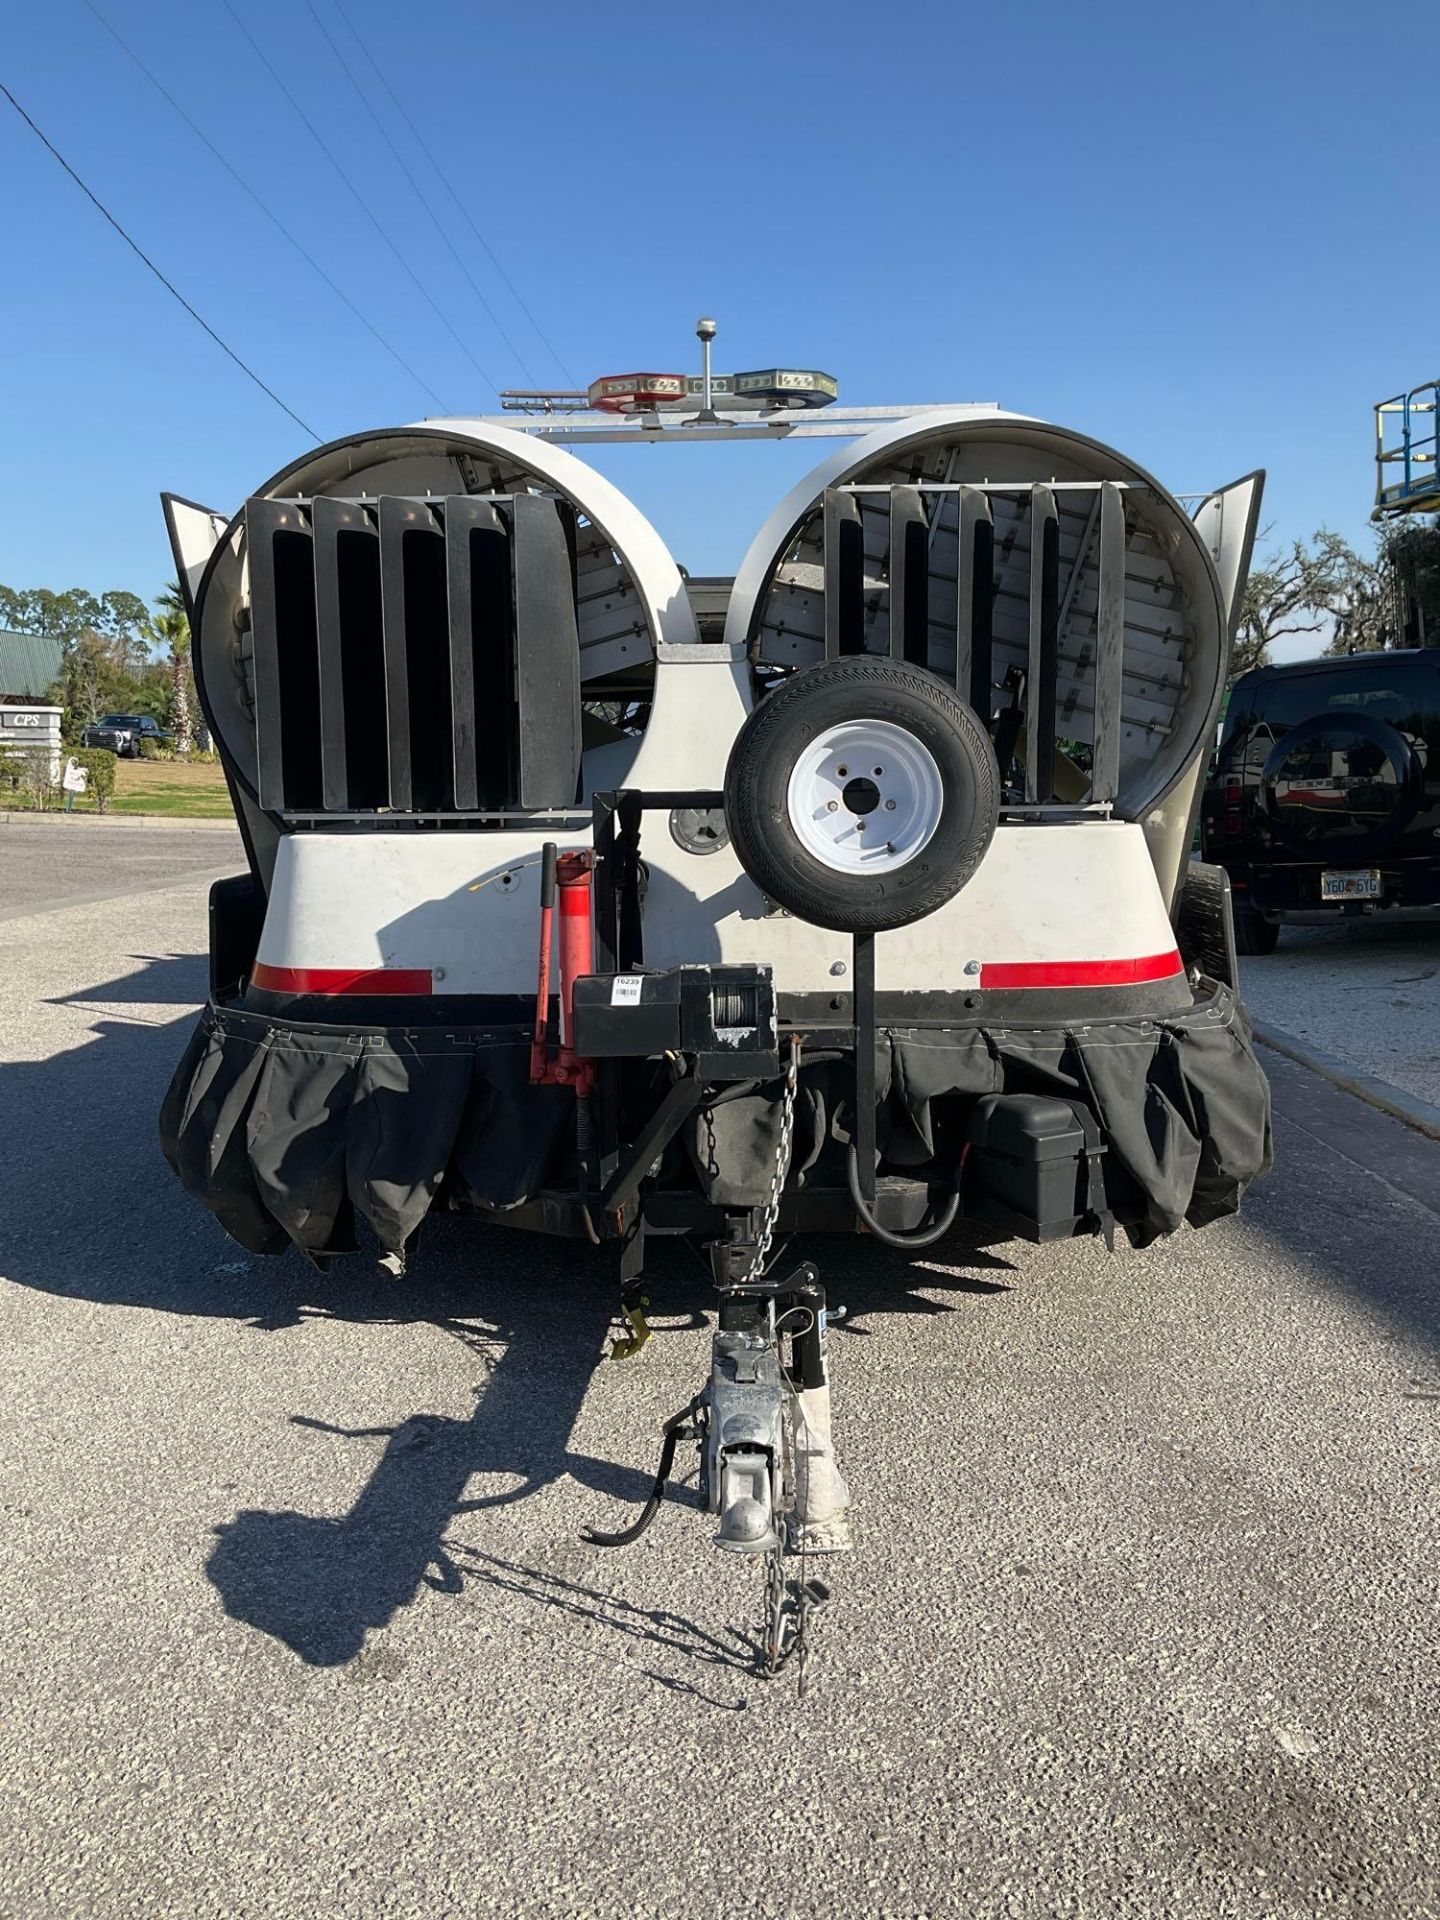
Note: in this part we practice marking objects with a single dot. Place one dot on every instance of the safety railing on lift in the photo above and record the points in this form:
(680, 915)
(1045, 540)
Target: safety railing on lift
(1407, 473)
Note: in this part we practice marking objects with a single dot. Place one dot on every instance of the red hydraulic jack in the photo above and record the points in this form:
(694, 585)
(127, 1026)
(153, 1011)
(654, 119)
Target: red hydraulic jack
(572, 874)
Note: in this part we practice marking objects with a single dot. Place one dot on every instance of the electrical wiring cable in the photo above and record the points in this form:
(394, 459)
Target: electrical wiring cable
(422, 196)
(444, 178)
(268, 212)
(168, 285)
(356, 195)
(346, 69)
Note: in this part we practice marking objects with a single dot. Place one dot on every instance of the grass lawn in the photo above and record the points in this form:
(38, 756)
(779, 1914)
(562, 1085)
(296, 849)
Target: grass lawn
(167, 787)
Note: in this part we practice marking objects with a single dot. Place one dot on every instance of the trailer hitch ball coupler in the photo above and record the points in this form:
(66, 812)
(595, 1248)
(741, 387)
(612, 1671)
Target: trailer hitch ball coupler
(747, 1515)
(747, 1440)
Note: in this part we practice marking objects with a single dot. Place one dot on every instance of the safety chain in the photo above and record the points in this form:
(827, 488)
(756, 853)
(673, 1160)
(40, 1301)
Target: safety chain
(789, 1604)
(786, 1612)
(784, 1147)
(776, 1632)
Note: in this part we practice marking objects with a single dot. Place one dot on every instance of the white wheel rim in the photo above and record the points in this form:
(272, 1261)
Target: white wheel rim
(865, 797)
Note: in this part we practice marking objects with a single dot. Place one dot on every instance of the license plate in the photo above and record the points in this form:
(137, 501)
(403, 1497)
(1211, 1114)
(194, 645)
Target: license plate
(1364, 884)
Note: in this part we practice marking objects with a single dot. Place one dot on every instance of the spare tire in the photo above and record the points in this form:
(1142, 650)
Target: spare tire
(1342, 787)
(861, 794)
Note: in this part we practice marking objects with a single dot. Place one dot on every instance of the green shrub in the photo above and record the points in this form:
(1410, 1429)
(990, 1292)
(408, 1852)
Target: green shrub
(99, 763)
(156, 750)
(29, 777)
(205, 757)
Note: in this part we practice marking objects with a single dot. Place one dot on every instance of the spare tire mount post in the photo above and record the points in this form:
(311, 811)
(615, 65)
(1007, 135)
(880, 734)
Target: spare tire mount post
(863, 996)
(861, 1166)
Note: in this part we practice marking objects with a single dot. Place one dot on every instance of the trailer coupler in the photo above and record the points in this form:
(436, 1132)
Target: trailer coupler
(767, 1465)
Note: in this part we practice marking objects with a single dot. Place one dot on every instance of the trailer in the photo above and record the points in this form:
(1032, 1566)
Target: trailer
(851, 894)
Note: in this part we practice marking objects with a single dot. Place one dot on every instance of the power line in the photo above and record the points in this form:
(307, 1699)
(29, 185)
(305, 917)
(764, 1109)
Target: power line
(168, 285)
(355, 194)
(423, 196)
(272, 217)
(399, 161)
(465, 214)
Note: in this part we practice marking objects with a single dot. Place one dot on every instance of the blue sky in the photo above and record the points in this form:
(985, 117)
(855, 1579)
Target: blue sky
(1202, 233)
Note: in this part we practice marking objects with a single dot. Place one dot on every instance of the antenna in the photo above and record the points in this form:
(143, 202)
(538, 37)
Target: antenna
(705, 331)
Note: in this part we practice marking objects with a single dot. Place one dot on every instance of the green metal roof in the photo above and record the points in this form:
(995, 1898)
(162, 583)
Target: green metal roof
(29, 665)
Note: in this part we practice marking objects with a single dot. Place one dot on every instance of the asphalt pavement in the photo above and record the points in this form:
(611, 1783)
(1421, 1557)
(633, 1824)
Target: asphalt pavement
(1366, 991)
(295, 1619)
(65, 858)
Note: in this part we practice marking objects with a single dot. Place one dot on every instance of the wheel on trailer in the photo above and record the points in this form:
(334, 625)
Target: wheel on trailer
(1254, 934)
(861, 794)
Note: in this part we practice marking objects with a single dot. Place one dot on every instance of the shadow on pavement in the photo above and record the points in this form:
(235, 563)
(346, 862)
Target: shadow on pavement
(92, 1212)
(320, 1584)
(650, 1627)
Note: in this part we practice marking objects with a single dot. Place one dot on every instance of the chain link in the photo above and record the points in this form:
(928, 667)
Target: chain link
(784, 1148)
(788, 1603)
(776, 1630)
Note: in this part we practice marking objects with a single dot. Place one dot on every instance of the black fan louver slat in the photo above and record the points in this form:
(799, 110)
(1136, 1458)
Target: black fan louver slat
(1044, 656)
(975, 602)
(482, 654)
(427, 661)
(844, 575)
(547, 651)
(395, 517)
(909, 578)
(286, 660)
(327, 519)
(1109, 644)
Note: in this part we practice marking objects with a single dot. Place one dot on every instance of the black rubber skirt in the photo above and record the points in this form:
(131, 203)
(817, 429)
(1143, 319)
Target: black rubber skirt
(1182, 1103)
(287, 1131)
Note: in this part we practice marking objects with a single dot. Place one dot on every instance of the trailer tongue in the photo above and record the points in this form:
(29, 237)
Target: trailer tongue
(871, 874)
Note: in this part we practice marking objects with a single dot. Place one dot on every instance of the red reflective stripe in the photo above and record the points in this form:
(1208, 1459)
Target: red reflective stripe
(1083, 973)
(342, 979)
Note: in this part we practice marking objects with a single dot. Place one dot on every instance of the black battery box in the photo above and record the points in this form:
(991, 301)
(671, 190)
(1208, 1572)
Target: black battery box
(723, 1015)
(1032, 1166)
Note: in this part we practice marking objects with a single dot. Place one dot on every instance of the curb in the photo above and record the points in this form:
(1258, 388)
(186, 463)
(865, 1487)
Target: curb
(1408, 1107)
(58, 816)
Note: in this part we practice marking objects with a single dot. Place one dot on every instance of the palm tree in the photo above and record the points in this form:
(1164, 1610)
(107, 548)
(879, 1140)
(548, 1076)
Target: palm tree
(168, 627)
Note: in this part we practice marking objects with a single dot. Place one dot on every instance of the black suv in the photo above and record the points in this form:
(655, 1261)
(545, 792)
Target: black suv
(123, 732)
(1324, 796)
